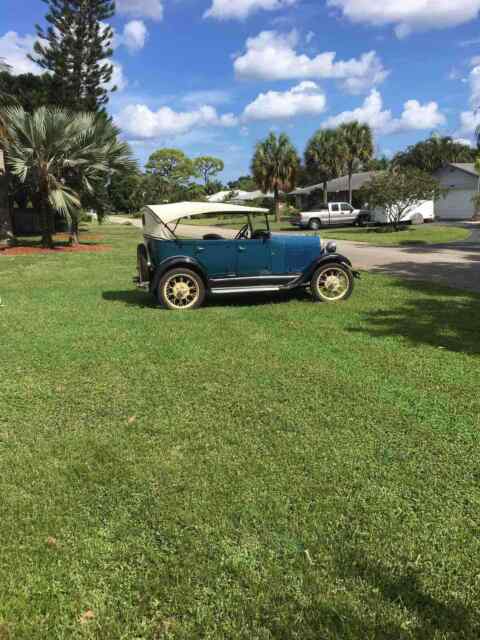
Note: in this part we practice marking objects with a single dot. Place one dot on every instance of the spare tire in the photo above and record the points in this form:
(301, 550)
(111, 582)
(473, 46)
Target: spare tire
(212, 236)
(143, 265)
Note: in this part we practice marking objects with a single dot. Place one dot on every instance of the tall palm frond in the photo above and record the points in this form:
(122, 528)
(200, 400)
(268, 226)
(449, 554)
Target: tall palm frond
(324, 157)
(357, 147)
(64, 155)
(275, 166)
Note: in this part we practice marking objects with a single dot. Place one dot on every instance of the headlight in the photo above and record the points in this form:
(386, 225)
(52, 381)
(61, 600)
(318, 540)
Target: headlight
(331, 247)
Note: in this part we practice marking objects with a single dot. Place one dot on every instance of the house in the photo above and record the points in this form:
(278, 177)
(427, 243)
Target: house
(463, 182)
(309, 197)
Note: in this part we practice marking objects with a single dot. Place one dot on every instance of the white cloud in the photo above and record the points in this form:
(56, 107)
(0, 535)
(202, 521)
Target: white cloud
(209, 96)
(304, 99)
(118, 79)
(139, 122)
(135, 35)
(466, 141)
(409, 15)
(415, 116)
(241, 9)
(152, 9)
(470, 120)
(14, 50)
(272, 56)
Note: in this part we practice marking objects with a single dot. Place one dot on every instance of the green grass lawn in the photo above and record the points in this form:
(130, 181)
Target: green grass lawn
(411, 235)
(270, 470)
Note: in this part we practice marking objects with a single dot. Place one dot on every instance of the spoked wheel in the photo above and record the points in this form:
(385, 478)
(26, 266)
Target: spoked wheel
(181, 290)
(332, 283)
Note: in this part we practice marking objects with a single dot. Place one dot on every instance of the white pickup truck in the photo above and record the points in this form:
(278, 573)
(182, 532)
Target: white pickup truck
(333, 213)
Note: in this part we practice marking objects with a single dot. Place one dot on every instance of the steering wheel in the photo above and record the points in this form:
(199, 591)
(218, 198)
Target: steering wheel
(243, 234)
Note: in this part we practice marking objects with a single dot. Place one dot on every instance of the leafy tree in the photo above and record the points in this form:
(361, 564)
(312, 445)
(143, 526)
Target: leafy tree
(244, 183)
(275, 166)
(172, 172)
(76, 48)
(208, 167)
(66, 157)
(356, 148)
(324, 156)
(127, 192)
(28, 90)
(214, 186)
(397, 190)
(378, 164)
(432, 154)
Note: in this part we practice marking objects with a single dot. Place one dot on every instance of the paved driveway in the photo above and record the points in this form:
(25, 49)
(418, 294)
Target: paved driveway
(456, 264)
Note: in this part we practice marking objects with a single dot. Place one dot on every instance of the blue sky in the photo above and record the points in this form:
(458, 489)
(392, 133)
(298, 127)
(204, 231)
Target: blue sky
(214, 76)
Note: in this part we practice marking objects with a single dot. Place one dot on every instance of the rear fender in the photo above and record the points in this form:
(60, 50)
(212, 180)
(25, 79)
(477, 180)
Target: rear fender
(187, 262)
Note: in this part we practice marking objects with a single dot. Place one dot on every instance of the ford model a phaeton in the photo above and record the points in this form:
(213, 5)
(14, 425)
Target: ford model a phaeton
(181, 272)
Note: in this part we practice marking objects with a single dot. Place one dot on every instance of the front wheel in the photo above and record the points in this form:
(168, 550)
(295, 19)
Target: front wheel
(181, 290)
(332, 283)
(418, 219)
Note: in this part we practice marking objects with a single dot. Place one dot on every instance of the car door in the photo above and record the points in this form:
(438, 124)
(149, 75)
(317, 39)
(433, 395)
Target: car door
(218, 257)
(348, 216)
(347, 213)
(335, 214)
(253, 257)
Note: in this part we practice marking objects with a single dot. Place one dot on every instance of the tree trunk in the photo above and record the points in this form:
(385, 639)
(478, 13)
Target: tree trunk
(325, 193)
(6, 225)
(74, 236)
(45, 222)
(277, 204)
(350, 193)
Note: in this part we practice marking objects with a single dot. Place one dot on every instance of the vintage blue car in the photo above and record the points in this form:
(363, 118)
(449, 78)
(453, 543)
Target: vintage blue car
(181, 272)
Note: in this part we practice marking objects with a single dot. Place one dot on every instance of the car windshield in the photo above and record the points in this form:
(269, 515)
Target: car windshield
(257, 222)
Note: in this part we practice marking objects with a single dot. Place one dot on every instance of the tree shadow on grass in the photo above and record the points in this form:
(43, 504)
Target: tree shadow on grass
(439, 317)
(434, 618)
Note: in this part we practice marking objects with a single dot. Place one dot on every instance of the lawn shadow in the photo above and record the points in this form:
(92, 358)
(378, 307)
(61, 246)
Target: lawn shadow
(131, 298)
(404, 588)
(137, 298)
(442, 318)
(462, 274)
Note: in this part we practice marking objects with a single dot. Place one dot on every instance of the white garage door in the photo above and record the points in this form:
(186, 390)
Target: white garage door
(456, 206)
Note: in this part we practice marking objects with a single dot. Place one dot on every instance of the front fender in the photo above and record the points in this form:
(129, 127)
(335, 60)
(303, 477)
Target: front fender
(178, 261)
(330, 258)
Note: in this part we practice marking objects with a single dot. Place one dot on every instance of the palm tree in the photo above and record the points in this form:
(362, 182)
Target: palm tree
(275, 166)
(357, 148)
(6, 227)
(65, 156)
(323, 157)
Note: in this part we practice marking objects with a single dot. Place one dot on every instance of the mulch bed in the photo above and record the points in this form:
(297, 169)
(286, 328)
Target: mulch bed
(28, 251)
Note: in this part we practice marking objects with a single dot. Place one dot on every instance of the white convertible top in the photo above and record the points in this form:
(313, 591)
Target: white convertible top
(157, 216)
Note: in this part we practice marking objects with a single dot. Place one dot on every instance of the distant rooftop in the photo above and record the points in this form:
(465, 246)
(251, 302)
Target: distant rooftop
(468, 167)
(339, 184)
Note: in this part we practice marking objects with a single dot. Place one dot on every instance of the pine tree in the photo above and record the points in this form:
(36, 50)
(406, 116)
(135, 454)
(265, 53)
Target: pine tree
(76, 48)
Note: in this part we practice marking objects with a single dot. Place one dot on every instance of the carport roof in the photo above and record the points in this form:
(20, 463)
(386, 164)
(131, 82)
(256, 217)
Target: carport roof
(339, 184)
(468, 167)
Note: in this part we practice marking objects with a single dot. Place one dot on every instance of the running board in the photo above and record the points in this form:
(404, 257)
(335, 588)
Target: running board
(222, 290)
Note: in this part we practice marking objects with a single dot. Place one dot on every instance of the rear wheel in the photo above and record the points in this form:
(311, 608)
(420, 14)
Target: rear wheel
(143, 266)
(314, 224)
(181, 290)
(332, 283)
(418, 219)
